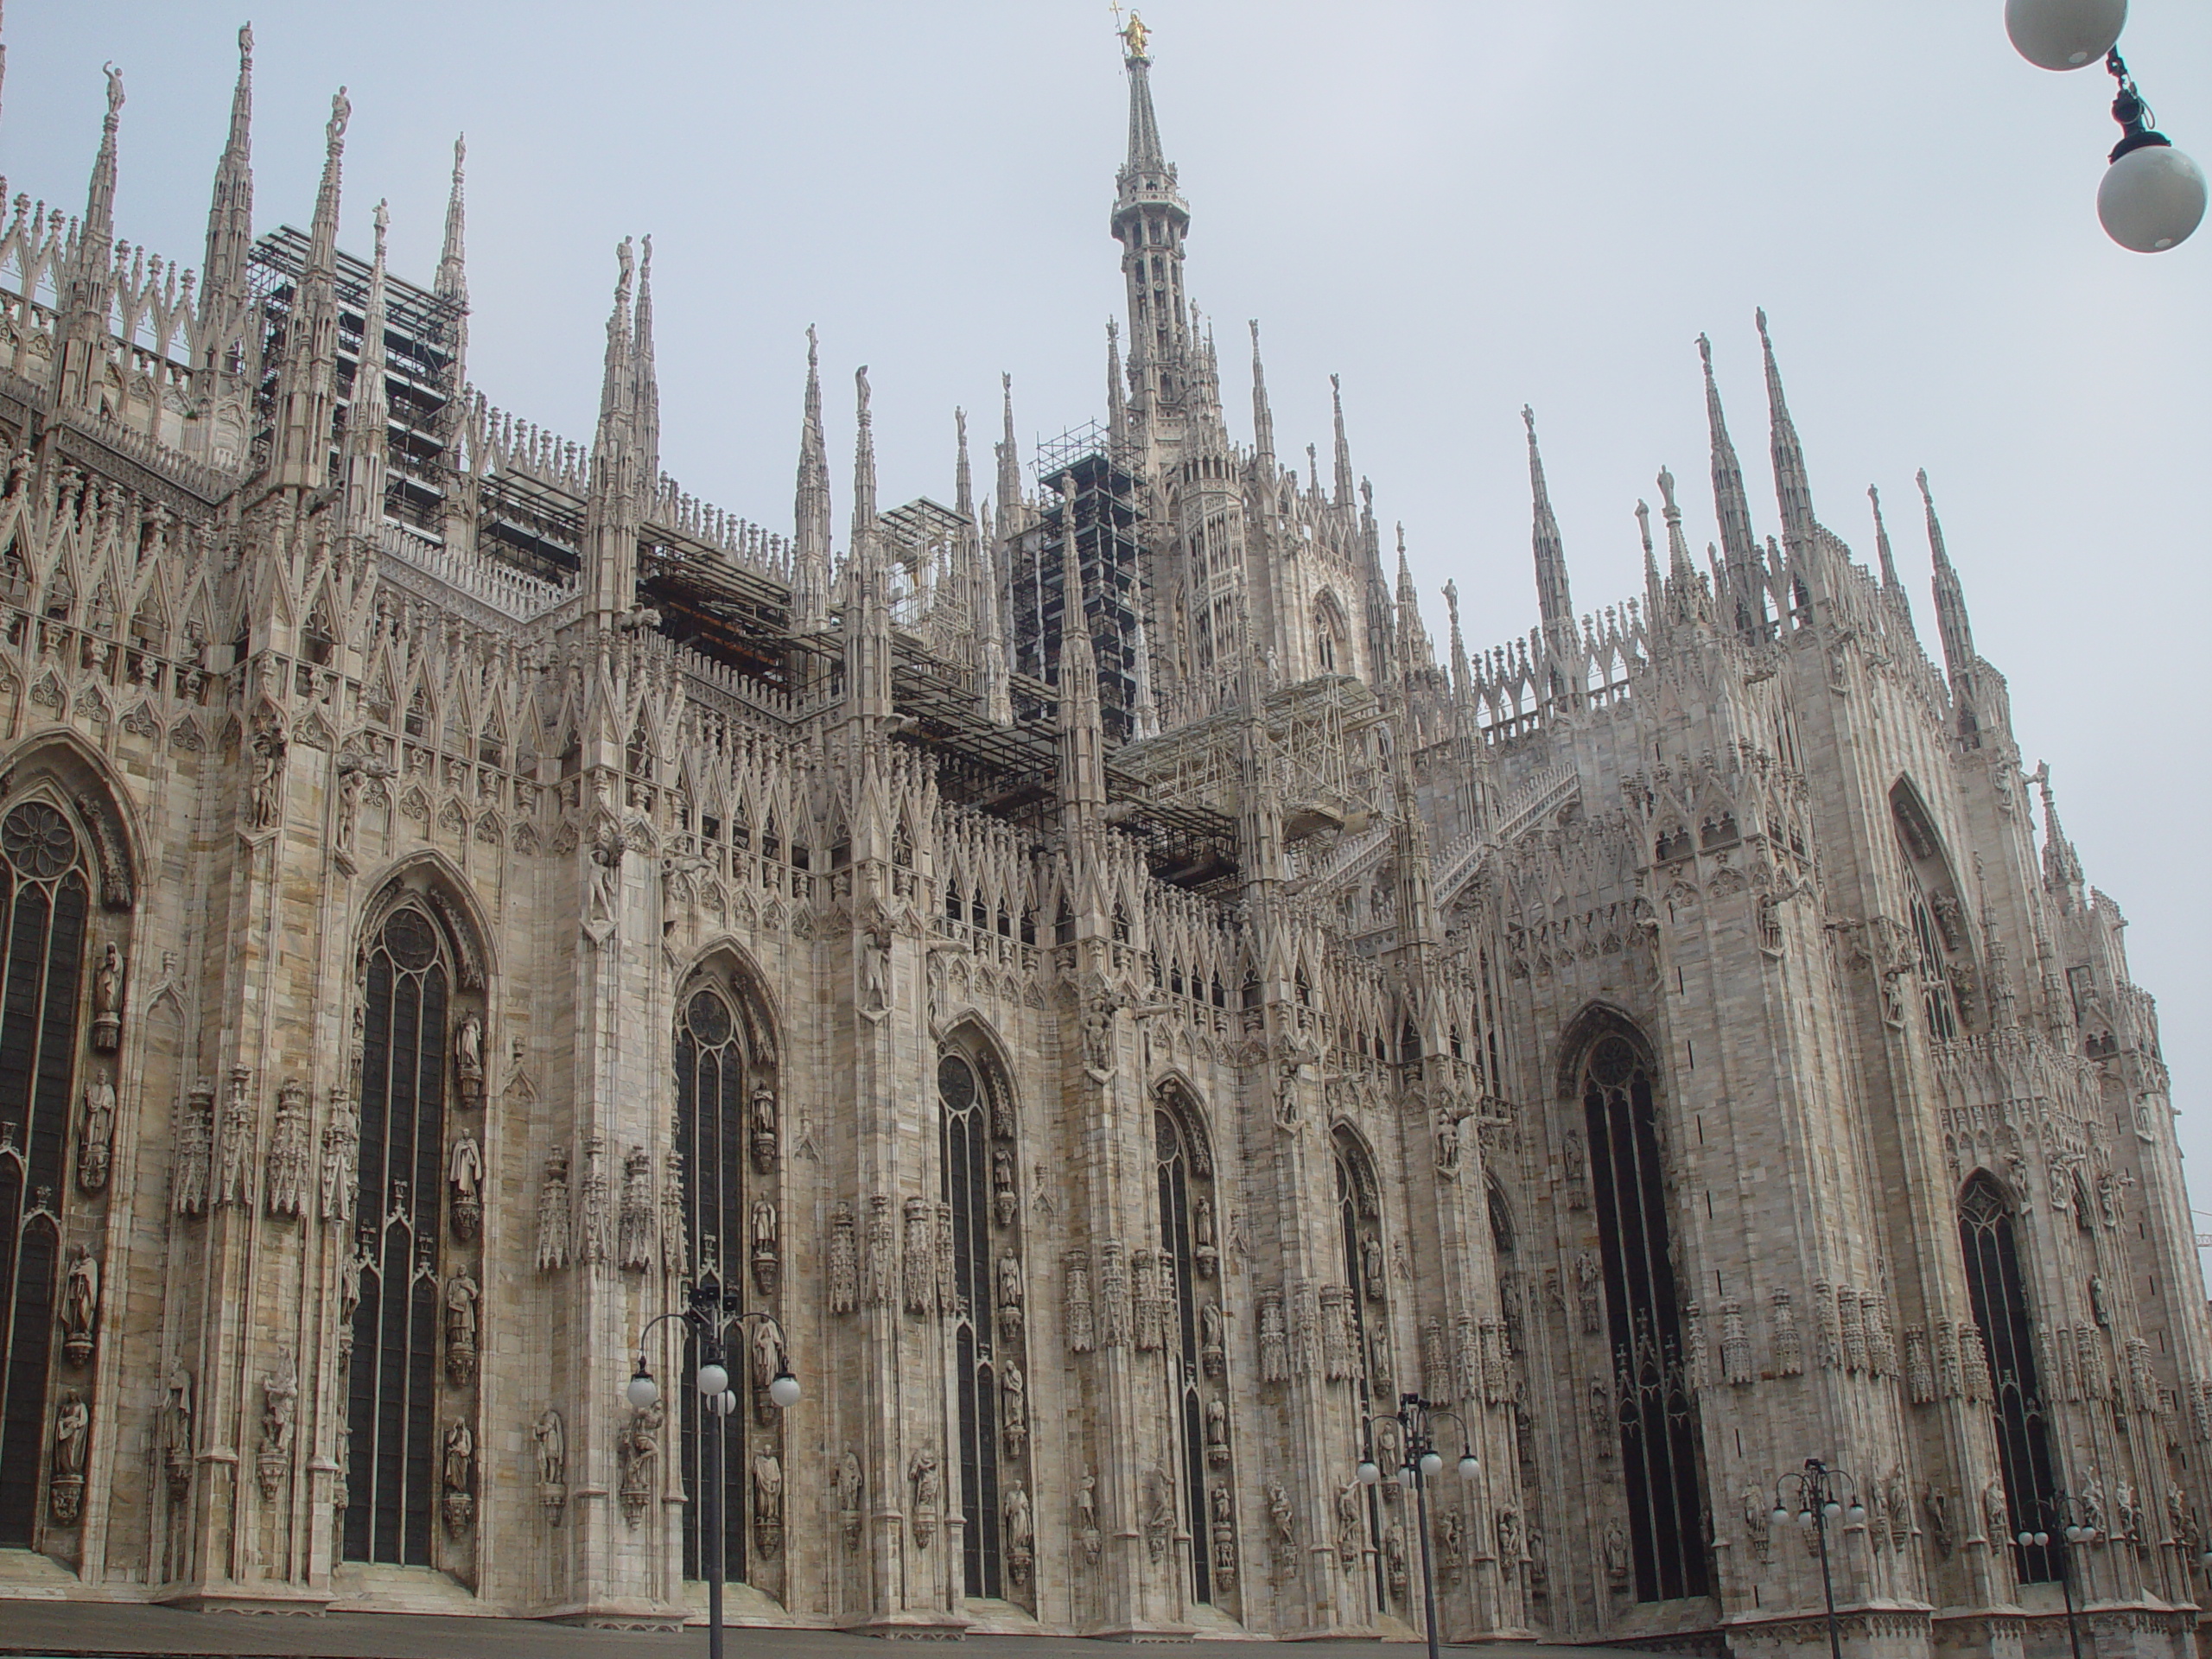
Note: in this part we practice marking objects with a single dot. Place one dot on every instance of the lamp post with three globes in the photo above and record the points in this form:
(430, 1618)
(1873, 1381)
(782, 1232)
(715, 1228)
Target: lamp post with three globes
(712, 1312)
(1821, 1502)
(1423, 1462)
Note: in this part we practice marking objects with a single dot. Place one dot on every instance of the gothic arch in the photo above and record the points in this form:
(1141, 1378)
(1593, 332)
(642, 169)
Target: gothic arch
(981, 1295)
(1996, 1288)
(1616, 1076)
(429, 874)
(96, 794)
(1593, 1020)
(1186, 1325)
(416, 1272)
(751, 987)
(63, 864)
(721, 1182)
(1332, 636)
(1941, 929)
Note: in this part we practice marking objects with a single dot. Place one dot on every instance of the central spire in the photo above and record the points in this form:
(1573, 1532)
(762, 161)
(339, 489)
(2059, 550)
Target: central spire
(1150, 221)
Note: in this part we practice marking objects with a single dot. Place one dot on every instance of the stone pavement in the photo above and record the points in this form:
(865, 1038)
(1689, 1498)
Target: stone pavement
(50, 1629)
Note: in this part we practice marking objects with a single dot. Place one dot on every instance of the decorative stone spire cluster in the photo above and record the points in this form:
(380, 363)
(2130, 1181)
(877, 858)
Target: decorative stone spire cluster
(624, 451)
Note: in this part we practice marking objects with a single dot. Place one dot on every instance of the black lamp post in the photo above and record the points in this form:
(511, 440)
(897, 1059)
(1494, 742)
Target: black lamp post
(1821, 1503)
(2065, 1522)
(712, 1312)
(1422, 1461)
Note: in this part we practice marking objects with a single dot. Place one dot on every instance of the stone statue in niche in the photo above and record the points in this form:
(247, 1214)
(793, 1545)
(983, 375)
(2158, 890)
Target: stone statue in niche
(767, 1340)
(637, 1453)
(1210, 1351)
(1616, 1556)
(1206, 1254)
(1098, 1039)
(459, 1477)
(1009, 1298)
(767, 1504)
(462, 1296)
(634, 1242)
(852, 1490)
(764, 1127)
(72, 1429)
(280, 1398)
(174, 1432)
(675, 1240)
(1221, 1512)
(1003, 1204)
(1282, 1526)
(96, 1140)
(767, 1269)
(551, 1435)
(1450, 1544)
(1394, 1556)
(1759, 1524)
(468, 1057)
(107, 1000)
(1447, 1146)
(1372, 1268)
(1217, 1433)
(1018, 1532)
(928, 1485)
(2099, 1308)
(465, 1176)
(342, 1150)
(1014, 1408)
(1086, 1517)
(80, 1303)
(1159, 1512)
(1350, 1527)
(267, 803)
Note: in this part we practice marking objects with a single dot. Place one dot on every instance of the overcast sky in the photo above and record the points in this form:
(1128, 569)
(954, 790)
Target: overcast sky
(1459, 207)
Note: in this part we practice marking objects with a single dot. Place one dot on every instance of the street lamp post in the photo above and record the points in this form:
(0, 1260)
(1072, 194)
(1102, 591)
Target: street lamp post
(1421, 1460)
(712, 1312)
(2063, 1527)
(1820, 1502)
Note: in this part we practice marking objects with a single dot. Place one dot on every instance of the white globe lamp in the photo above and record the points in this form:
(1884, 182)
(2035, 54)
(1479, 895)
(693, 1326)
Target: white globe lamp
(2151, 199)
(2063, 33)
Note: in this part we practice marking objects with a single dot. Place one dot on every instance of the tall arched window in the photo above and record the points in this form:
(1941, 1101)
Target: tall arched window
(45, 906)
(1658, 1428)
(392, 1442)
(1189, 1262)
(711, 1093)
(2000, 1307)
(1359, 1233)
(982, 1210)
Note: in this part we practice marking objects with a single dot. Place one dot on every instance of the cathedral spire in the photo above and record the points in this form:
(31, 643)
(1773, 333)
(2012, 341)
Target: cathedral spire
(1344, 449)
(368, 416)
(2061, 865)
(452, 284)
(614, 504)
(1415, 652)
(1009, 459)
(1082, 778)
(647, 377)
(1150, 221)
(1739, 548)
(1655, 591)
(306, 383)
(863, 466)
(90, 280)
(230, 227)
(811, 510)
(1263, 416)
(1882, 554)
(1792, 490)
(963, 481)
(1554, 600)
(1117, 407)
(1950, 598)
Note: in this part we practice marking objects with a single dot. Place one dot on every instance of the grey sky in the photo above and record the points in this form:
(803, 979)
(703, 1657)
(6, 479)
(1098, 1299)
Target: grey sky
(1459, 207)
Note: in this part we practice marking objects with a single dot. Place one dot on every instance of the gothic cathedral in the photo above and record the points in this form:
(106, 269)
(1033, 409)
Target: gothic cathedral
(1121, 1006)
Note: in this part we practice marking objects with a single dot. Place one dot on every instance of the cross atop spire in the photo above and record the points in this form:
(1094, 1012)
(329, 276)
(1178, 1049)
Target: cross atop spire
(1554, 600)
